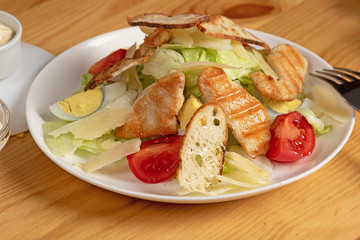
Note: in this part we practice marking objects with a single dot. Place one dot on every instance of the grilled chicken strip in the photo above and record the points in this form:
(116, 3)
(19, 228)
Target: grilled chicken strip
(156, 109)
(246, 116)
(116, 69)
(291, 68)
(155, 39)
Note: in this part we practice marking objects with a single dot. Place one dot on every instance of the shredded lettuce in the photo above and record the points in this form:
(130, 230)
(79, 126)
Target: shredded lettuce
(193, 37)
(203, 40)
(191, 45)
(227, 168)
(98, 145)
(131, 78)
(240, 76)
(64, 144)
(86, 79)
(191, 77)
(317, 124)
(246, 66)
(146, 80)
(162, 62)
(198, 54)
(243, 172)
(301, 95)
(67, 144)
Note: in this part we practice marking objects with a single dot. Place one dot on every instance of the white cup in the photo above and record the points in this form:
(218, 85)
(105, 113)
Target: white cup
(10, 52)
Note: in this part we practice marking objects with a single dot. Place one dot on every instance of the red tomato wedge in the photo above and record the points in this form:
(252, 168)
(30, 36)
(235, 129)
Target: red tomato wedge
(107, 61)
(157, 159)
(292, 138)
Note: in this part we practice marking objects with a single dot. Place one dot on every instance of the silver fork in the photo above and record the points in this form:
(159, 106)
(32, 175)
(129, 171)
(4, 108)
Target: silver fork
(347, 84)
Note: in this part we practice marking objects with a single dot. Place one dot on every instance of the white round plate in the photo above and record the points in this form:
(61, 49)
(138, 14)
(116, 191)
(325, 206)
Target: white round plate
(63, 75)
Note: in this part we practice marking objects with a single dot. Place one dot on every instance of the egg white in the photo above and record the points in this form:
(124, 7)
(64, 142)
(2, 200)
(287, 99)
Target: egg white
(109, 92)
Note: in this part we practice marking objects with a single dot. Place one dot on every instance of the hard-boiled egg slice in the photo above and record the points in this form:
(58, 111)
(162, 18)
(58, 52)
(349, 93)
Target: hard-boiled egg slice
(112, 91)
(281, 106)
(85, 103)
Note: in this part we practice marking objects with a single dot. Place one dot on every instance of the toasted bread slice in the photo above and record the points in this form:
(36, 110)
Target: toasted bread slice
(159, 20)
(202, 151)
(215, 26)
(223, 27)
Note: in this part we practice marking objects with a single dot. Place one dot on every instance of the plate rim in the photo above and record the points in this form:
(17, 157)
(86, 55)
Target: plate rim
(179, 198)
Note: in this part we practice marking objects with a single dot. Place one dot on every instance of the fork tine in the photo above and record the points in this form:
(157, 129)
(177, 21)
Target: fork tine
(350, 77)
(334, 84)
(343, 80)
(348, 70)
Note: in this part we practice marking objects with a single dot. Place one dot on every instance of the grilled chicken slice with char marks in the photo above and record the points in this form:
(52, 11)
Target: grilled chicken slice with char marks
(246, 116)
(108, 74)
(141, 55)
(156, 109)
(291, 68)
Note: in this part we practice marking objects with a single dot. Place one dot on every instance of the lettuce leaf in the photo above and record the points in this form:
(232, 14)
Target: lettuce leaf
(132, 80)
(67, 144)
(146, 80)
(240, 76)
(86, 79)
(246, 66)
(162, 62)
(317, 124)
(64, 144)
(97, 145)
(193, 37)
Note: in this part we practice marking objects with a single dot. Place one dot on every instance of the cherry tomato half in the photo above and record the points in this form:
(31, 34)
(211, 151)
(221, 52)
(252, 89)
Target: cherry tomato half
(107, 61)
(292, 138)
(157, 159)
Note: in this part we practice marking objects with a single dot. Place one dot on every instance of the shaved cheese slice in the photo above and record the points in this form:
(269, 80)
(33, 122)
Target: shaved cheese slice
(240, 50)
(131, 51)
(203, 64)
(262, 161)
(220, 189)
(236, 160)
(264, 65)
(238, 183)
(330, 104)
(106, 119)
(115, 153)
(183, 37)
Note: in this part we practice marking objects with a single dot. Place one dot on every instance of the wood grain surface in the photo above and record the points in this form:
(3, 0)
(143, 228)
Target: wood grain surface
(39, 200)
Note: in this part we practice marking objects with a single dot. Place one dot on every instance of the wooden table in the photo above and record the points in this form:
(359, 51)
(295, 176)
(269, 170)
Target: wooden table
(38, 200)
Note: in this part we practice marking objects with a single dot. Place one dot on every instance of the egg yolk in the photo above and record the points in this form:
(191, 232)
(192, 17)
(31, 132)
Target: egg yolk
(282, 106)
(83, 103)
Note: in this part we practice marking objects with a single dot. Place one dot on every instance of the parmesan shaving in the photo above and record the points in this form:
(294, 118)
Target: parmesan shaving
(264, 65)
(183, 37)
(330, 104)
(115, 153)
(203, 64)
(106, 119)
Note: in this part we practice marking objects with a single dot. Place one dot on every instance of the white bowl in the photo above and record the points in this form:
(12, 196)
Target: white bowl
(4, 124)
(10, 52)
